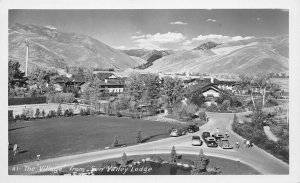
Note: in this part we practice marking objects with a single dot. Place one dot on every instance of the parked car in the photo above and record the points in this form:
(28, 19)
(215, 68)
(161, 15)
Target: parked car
(196, 141)
(224, 143)
(211, 142)
(192, 128)
(205, 135)
(218, 136)
(176, 133)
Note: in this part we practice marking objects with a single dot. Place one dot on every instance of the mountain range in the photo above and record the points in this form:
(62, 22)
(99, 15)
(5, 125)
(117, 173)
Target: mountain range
(254, 55)
(49, 47)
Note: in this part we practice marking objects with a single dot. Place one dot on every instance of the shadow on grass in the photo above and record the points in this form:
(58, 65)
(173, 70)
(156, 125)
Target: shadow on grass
(22, 152)
(12, 129)
(150, 137)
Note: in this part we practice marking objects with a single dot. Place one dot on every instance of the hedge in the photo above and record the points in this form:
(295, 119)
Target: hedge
(27, 100)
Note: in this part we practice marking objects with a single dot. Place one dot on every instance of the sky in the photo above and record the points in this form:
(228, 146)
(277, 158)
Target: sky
(158, 28)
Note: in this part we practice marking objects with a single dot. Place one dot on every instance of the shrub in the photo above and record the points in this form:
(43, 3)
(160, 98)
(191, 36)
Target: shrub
(66, 113)
(61, 97)
(203, 116)
(59, 110)
(82, 112)
(87, 111)
(17, 117)
(37, 113)
(71, 112)
(118, 114)
(212, 108)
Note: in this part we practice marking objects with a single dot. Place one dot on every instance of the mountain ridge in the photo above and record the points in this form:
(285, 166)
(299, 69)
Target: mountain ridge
(52, 48)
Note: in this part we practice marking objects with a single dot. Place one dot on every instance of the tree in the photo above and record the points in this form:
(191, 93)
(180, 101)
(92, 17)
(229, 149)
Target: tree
(173, 155)
(173, 91)
(144, 89)
(59, 110)
(37, 113)
(43, 113)
(200, 163)
(258, 85)
(235, 119)
(124, 160)
(139, 137)
(203, 116)
(15, 76)
(115, 142)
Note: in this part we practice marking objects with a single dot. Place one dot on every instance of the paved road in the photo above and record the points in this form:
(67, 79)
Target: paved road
(255, 157)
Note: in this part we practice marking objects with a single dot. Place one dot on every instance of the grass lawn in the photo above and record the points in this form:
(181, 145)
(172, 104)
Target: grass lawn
(228, 167)
(63, 136)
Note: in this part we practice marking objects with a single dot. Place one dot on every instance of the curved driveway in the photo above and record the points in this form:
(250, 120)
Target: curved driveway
(254, 157)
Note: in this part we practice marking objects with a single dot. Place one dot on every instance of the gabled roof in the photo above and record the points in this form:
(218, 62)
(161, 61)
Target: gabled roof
(111, 83)
(104, 75)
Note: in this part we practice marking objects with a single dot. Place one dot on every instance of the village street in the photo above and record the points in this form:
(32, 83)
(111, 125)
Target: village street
(254, 157)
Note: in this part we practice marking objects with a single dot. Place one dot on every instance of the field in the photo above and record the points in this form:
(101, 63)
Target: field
(63, 136)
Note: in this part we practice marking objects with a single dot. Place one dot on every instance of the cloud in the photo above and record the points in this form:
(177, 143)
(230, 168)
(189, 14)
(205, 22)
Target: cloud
(158, 40)
(211, 20)
(178, 23)
(138, 32)
(213, 37)
(258, 19)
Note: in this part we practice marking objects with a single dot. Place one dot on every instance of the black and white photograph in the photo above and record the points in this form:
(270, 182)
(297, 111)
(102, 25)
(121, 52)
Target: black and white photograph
(141, 91)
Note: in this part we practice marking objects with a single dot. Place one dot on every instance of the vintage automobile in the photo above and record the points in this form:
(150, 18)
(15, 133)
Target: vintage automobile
(196, 141)
(205, 135)
(224, 143)
(177, 133)
(217, 136)
(211, 142)
(192, 128)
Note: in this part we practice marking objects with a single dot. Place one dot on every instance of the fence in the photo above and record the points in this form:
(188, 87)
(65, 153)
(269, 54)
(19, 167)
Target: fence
(27, 100)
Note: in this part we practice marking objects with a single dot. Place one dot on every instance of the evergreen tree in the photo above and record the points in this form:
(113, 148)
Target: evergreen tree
(200, 163)
(235, 118)
(139, 137)
(59, 110)
(173, 155)
(43, 113)
(115, 142)
(124, 160)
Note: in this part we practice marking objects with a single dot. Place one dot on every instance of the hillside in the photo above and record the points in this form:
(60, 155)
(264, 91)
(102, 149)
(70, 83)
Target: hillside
(247, 56)
(206, 46)
(52, 48)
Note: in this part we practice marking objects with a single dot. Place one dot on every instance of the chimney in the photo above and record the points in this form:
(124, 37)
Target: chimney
(212, 79)
(26, 63)
(105, 80)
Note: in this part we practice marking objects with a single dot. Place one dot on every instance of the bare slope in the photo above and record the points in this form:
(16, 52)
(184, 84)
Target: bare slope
(248, 56)
(52, 48)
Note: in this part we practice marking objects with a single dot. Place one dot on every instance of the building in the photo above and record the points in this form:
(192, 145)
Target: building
(110, 82)
(64, 83)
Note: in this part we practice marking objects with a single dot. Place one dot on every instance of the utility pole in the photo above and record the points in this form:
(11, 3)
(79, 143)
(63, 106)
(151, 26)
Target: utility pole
(26, 63)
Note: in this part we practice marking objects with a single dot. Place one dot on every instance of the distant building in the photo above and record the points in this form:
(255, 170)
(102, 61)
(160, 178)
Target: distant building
(63, 83)
(111, 82)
